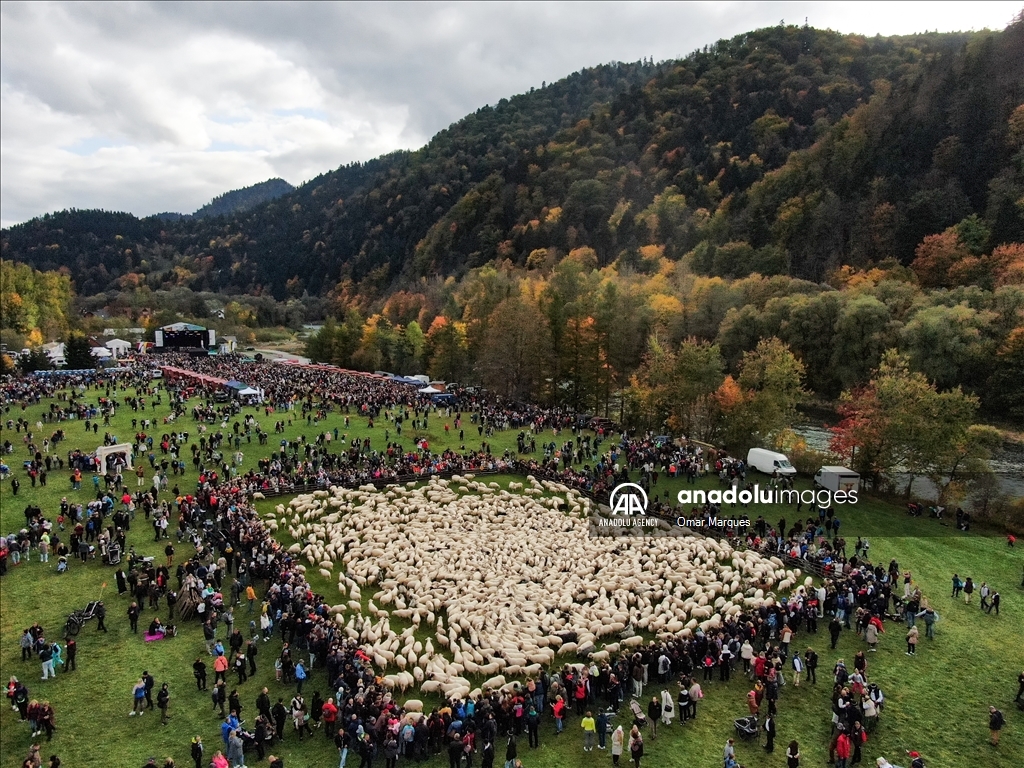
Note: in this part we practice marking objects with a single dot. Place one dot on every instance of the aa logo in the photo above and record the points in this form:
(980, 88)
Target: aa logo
(628, 499)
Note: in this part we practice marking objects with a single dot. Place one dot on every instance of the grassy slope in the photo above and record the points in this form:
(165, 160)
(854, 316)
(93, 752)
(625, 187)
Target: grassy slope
(937, 701)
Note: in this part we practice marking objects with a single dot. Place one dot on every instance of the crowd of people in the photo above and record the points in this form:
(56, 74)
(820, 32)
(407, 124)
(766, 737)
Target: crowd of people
(192, 487)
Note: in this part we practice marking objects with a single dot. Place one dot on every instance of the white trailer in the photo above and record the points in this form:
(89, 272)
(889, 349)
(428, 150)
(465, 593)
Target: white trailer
(837, 479)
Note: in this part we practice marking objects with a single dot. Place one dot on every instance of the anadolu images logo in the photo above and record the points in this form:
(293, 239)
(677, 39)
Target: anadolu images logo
(628, 499)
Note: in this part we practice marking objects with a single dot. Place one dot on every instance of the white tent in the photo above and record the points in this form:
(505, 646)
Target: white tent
(118, 347)
(250, 393)
(101, 353)
(430, 391)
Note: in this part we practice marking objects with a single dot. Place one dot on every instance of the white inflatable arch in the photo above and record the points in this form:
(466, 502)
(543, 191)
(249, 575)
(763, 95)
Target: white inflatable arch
(108, 450)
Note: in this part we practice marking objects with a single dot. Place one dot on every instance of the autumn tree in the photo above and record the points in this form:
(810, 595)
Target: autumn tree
(447, 350)
(900, 423)
(948, 344)
(771, 379)
(514, 354)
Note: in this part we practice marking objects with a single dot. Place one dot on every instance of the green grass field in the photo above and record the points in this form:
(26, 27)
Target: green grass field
(937, 702)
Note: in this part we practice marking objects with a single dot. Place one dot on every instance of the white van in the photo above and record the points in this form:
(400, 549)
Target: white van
(770, 462)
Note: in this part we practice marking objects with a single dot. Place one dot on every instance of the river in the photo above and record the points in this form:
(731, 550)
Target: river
(1007, 463)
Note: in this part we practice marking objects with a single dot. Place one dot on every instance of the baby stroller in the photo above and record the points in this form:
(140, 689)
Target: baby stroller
(639, 718)
(746, 727)
(62, 564)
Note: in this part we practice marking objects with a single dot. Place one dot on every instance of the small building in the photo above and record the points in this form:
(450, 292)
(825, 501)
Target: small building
(55, 350)
(228, 345)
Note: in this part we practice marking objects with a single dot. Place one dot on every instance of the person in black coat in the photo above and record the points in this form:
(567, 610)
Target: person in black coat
(133, 617)
(219, 697)
(769, 729)
(487, 755)
(150, 682)
(835, 629)
(280, 714)
(259, 736)
(263, 704)
(197, 751)
(199, 672)
(455, 751)
(251, 650)
(811, 664)
(511, 750)
(71, 649)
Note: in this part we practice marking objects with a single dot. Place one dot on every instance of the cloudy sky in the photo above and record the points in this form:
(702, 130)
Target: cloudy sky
(150, 107)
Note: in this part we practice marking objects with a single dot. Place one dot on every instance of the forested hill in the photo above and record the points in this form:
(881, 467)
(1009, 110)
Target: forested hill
(242, 200)
(785, 150)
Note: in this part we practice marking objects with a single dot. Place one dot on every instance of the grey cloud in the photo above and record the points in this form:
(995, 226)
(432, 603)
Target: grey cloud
(161, 77)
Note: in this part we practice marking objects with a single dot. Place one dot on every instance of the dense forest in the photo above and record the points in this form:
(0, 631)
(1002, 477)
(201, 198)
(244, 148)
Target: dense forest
(581, 242)
(787, 150)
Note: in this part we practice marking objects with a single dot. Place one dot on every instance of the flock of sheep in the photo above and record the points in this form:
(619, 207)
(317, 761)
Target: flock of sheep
(501, 582)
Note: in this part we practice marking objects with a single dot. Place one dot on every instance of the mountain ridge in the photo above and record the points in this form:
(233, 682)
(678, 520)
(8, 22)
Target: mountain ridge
(807, 148)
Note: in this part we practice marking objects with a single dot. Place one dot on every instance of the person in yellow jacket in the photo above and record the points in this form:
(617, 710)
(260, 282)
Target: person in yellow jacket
(589, 731)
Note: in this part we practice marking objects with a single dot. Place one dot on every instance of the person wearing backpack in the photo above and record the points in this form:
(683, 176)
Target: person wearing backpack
(533, 727)
(408, 736)
(390, 751)
(995, 725)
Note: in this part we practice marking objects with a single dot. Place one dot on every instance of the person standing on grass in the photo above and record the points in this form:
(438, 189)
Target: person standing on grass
(235, 750)
(46, 656)
(835, 629)
(618, 740)
(300, 716)
(912, 635)
(769, 730)
(968, 590)
(636, 746)
(163, 698)
(996, 721)
(589, 731)
(958, 586)
(138, 698)
(930, 617)
(793, 755)
(197, 750)
(199, 672)
(811, 662)
(653, 715)
(71, 646)
(842, 749)
(280, 713)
